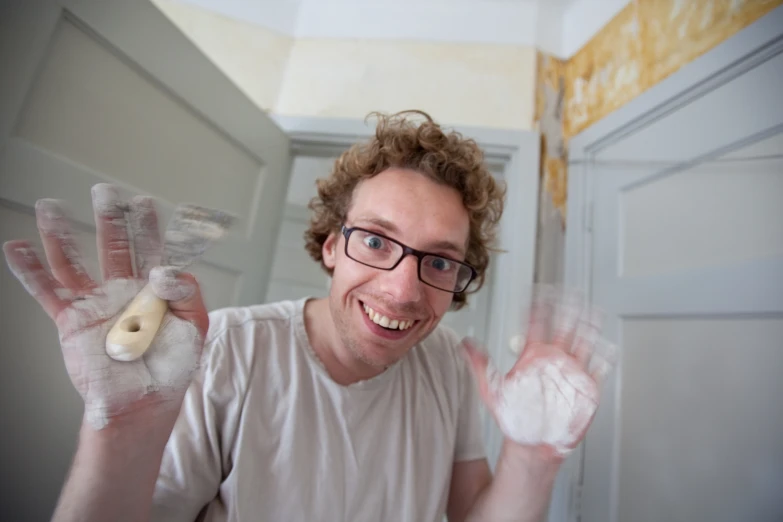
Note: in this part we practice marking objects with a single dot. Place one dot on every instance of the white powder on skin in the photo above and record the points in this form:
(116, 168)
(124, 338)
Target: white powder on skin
(551, 397)
(110, 387)
(33, 281)
(107, 386)
(110, 220)
(166, 285)
(551, 401)
(106, 199)
(146, 234)
(52, 221)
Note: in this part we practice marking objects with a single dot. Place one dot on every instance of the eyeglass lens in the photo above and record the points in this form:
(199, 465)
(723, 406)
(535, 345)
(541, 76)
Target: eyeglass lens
(380, 252)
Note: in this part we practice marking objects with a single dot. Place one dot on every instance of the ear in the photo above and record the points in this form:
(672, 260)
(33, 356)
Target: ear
(329, 251)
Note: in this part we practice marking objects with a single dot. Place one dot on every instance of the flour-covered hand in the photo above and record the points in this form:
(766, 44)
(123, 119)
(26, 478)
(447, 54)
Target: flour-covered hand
(550, 396)
(130, 250)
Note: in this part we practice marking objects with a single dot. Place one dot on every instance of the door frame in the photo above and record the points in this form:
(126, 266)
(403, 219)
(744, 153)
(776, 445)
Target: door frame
(517, 151)
(756, 43)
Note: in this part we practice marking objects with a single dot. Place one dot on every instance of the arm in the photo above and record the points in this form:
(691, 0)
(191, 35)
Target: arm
(130, 407)
(520, 490)
(114, 471)
(544, 406)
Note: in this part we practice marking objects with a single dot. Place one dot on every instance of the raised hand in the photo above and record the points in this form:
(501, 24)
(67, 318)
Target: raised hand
(549, 397)
(130, 250)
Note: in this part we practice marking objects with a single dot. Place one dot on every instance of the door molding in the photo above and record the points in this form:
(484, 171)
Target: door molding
(517, 152)
(760, 41)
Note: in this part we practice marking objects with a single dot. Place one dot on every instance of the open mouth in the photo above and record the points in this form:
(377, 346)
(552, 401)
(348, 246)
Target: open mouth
(387, 323)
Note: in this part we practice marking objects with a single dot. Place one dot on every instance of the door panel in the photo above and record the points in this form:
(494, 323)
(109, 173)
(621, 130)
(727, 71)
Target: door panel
(696, 442)
(90, 106)
(687, 257)
(731, 218)
(113, 92)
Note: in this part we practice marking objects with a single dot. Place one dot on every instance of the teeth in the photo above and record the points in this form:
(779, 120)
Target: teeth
(385, 321)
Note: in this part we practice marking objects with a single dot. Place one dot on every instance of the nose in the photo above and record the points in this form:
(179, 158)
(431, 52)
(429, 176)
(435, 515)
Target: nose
(403, 283)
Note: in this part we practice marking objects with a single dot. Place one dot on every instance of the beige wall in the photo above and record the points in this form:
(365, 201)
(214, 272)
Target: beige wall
(471, 84)
(254, 58)
(488, 85)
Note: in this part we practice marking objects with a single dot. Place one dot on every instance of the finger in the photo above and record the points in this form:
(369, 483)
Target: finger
(567, 310)
(27, 268)
(485, 374)
(182, 292)
(147, 245)
(540, 315)
(112, 228)
(586, 336)
(60, 246)
(603, 361)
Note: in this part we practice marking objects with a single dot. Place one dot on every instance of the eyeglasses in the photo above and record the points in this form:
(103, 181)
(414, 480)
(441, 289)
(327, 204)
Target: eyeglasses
(379, 251)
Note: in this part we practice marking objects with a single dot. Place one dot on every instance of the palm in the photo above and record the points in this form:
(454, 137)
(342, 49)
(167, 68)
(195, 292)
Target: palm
(84, 311)
(550, 395)
(109, 386)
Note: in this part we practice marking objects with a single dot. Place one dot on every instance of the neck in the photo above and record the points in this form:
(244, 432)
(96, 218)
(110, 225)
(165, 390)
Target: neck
(341, 365)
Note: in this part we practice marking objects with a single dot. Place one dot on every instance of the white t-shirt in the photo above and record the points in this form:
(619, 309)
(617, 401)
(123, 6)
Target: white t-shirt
(266, 434)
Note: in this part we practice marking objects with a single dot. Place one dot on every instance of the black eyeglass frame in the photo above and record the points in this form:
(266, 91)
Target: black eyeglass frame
(406, 251)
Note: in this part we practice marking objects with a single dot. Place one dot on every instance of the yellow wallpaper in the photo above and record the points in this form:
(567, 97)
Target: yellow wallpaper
(550, 74)
(646, 42)
(643, 44)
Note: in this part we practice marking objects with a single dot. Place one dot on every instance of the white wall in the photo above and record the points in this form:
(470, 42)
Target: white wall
(463, 21)
(280, 16)
(582, 19)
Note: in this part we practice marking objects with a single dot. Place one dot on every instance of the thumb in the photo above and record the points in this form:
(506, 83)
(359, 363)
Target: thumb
(483, 370)
(182, 292)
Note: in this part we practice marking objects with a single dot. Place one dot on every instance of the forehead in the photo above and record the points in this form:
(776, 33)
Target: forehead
(422, 210)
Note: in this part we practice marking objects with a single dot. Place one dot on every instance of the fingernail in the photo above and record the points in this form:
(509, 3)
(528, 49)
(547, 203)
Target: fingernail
(106, 199)
(50, 216)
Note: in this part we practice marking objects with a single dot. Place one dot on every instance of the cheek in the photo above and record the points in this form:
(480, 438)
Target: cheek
(348, 275)
(440, 302)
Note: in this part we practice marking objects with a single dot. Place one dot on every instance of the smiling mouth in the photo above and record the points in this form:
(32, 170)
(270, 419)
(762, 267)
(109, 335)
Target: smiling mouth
(386, 322)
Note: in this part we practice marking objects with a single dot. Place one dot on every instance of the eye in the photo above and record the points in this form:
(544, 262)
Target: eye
(440, 264)
(374, 242)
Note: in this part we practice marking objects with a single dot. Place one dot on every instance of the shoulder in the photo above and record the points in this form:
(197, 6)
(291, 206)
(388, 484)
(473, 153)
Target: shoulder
(441, 355)
(442, 341)
(244, 319)
(236, 335)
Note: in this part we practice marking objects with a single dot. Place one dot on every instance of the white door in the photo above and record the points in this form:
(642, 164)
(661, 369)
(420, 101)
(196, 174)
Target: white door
(294, 273)
(110, 91)
(687, 257)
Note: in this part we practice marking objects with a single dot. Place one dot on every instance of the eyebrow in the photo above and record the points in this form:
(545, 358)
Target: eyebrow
(392, 228)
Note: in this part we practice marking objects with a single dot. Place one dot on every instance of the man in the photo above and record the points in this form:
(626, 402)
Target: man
(354, 407)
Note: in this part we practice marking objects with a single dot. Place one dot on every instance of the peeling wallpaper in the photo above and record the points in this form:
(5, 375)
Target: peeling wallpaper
(549, 114)
(476, 84)
(643, 44)
(646, 42)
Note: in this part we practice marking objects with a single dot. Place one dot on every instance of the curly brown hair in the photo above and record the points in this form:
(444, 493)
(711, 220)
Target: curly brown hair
(445, 157)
